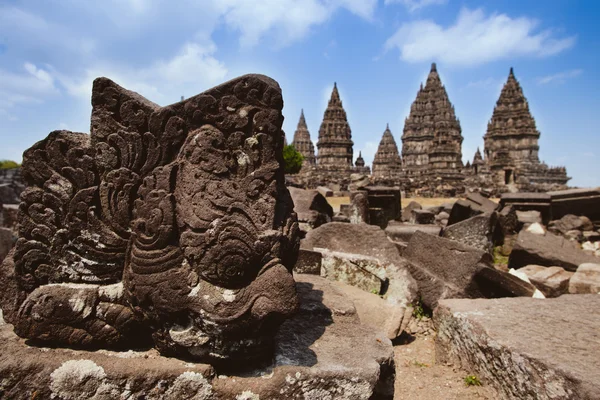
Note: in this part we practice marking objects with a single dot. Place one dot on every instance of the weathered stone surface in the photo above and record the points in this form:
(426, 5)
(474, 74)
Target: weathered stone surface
(424, 217)
(407, 211)
(308, 262)
(355, 270)
(528, 349)
(376, 312)
(7, 241)
(325, 191)
(171, 221)
(371, 241)
(387, 162)
(384, 201)
(403, 232)
(445, 268)
(335, 136)
(310, 361)
(567, 223)
(551, 281)
(586, 279)
(529, 217)
(359, 207)
(548, 250)
(311, 207)
(477, 231)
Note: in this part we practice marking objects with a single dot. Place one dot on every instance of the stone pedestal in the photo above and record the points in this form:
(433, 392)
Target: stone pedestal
(322, 352)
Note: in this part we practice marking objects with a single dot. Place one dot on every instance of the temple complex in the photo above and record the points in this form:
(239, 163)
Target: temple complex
(431, 160)
(432, 135)
(335, 137)
(387, 161)
(302, 142)
(511, 142)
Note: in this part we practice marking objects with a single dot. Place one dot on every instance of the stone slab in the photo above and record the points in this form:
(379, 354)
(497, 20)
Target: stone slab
(576, 201)
(325, 192)
(322, 352)
(547, 250)
(403, 232)
(586, 279)
(528, 349)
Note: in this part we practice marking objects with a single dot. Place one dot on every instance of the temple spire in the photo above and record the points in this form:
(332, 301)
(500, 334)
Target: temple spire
(335, 137)
(387, 161)
(302, 142)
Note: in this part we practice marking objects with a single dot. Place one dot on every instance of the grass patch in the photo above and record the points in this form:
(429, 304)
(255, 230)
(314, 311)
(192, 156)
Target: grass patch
(472, 380)
(419, 311)
(499, 257)
(420, 364)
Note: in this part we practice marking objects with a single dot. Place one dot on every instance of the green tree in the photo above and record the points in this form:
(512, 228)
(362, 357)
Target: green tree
(292, 159)
(8, 164)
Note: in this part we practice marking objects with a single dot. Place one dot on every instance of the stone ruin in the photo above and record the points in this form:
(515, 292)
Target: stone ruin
(170, 221)
(430, 163)
(172, 228)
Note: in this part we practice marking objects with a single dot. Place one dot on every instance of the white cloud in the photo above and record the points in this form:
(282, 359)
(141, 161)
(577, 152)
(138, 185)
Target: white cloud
(30, 86)
(368, 150)
(560, 77)
(191, 71)
(414, 5)
(475, 38)
(286, 20)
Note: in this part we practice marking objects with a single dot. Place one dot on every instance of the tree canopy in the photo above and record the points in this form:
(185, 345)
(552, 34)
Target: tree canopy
(292, 159)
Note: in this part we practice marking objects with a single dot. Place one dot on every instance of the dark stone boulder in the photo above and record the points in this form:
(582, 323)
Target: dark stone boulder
(445, 268)
(547, 250)
(422, 217)
(311, 207)
(477, 231)
(407, 211)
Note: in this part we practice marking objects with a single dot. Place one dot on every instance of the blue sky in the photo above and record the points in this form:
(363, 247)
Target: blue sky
(378, 51)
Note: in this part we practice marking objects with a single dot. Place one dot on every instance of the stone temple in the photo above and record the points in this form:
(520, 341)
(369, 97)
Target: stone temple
(430, 163)
(511, 142)
(432, 135)
(335, 137)
(302, 142)
(387, 161)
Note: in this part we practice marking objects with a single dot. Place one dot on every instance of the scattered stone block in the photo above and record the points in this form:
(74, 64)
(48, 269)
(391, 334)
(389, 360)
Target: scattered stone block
(576, 201)
(323, 351)
(481, 203)
(308, 262)
(325, 191)
(474, 204)
(376, 312)
(524, 201)
(358, 211)
(442, 215)
(407, 211)
(403, 232)
(548, 250)
(477, 231)
(529, 217)
(422, 217)
(353, 269)
(445, 268)
(586, 279)
(311, 207)
(525, 348)
(551, 281)
(386, 198)
(567, 223)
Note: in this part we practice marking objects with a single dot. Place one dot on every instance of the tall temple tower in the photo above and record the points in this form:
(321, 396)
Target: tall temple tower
(387, 160)
(302, 142)
(335, 138)
(432, 137)
(511, 141)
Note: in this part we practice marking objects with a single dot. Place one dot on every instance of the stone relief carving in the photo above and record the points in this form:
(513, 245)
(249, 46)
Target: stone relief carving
(170, 223)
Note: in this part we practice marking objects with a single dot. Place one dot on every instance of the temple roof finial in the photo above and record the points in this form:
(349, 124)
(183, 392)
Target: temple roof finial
(433, 67)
